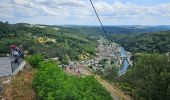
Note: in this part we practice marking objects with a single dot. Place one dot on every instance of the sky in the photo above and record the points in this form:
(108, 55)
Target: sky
(80, 12)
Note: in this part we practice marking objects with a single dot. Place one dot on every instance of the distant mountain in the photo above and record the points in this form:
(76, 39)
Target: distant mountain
(120, 29)
(97, 30)
(135, 29)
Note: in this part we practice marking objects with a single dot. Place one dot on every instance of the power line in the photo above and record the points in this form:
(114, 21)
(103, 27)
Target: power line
(99, 20)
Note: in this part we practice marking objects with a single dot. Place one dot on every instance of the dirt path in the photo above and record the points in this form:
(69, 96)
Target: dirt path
(115, 92)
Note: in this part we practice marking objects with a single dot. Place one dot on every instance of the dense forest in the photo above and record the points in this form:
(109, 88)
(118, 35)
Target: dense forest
(157, 42)
(148, 78)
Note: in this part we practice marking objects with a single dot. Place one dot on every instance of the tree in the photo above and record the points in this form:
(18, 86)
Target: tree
(150, 77)
(35, 59)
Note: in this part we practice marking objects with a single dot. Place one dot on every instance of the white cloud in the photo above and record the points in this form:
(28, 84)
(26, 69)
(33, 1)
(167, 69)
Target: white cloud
(81, 10)
(126, 10)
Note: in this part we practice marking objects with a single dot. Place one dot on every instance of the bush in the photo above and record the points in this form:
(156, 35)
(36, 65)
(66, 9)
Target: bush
(51, 83)
(35, 59)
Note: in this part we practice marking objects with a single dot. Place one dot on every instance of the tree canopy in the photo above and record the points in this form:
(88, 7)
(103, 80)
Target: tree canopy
(150, 77)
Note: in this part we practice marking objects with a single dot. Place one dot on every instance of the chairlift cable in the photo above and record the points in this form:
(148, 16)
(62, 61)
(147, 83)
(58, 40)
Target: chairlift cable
(99, 20)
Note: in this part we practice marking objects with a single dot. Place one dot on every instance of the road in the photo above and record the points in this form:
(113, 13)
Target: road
(5, 66)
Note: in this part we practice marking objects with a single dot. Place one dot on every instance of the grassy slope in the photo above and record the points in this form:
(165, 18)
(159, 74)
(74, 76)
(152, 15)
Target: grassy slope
(20, 87)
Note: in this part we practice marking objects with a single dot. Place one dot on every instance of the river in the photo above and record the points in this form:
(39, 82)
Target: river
(125, 62)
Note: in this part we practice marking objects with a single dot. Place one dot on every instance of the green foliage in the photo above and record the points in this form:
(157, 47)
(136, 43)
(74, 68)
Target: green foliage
(150, 77)
(111, 73)
(158, 42)
(51, 83)
(103, 61)
(69, 42)
(35, 59)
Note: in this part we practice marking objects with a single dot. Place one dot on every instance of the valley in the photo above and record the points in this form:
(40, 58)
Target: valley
(91, 60)
(84, 49)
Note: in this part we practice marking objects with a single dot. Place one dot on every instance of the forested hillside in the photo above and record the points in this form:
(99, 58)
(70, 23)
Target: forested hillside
(84, 49)
(148, 78)
(157, 42)
(65, 43)
(118, 29)
(134, 29)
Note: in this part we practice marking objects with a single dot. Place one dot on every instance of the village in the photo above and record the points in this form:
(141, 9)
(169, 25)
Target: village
(107, 55)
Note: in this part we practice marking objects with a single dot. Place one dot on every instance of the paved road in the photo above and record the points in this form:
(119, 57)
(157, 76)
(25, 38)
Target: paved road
(5, 66)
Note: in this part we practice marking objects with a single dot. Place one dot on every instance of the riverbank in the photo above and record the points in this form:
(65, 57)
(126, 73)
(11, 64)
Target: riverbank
(107, 55)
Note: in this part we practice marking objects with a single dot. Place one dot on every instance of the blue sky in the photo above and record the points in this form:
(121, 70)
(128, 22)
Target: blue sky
(143, 2)
(80, 12)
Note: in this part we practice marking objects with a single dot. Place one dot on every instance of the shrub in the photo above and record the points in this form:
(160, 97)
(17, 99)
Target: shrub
(35, 59)
(52, 83)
